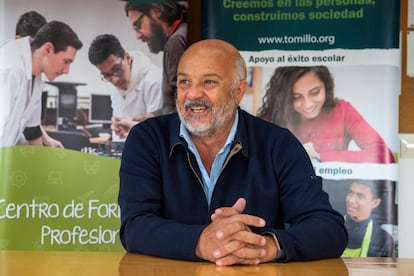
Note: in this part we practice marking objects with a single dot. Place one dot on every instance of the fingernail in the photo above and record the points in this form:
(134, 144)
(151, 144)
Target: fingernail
(262, 222)
(219, 235)
(216, 254)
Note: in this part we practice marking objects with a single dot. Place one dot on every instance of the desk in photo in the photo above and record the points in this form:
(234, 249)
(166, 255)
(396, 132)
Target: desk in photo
(54, 263)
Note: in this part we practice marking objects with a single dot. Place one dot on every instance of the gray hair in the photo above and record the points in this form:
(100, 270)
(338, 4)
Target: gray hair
(240, 72)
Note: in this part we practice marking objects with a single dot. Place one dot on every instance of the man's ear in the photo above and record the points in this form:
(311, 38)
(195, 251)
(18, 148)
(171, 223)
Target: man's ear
(127, 56)
(376, 202)
(48, 48)
(239, 91)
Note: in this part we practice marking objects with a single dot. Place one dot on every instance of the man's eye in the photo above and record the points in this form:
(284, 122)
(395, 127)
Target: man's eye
(116, 70)
(209, 83)
(183, 83)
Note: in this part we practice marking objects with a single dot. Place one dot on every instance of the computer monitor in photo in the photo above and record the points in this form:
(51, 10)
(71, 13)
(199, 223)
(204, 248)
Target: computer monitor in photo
(44, 107)
(67, 104)
(100, 111)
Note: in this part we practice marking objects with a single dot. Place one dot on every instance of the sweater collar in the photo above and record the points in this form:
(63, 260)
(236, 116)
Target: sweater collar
(240, 137)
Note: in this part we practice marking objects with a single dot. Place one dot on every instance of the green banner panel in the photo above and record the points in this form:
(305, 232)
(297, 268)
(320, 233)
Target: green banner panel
(302, 24)
(54, 199)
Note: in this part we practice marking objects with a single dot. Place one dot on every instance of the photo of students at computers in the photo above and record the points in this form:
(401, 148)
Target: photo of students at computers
(45, 52)
(136, 78)
(86, 110)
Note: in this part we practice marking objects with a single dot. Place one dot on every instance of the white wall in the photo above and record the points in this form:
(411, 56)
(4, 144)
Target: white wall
(405, 199)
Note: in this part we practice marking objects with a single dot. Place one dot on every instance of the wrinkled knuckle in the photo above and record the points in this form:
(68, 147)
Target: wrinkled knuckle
(241, 225)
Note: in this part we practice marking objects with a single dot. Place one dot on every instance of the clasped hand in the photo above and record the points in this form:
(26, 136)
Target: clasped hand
(228, 239)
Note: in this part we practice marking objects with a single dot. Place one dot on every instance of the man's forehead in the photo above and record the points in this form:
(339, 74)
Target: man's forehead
(134, 14)
(201, 75)
(207, 57)
(361, 187)
(204, 66)
(68, 52)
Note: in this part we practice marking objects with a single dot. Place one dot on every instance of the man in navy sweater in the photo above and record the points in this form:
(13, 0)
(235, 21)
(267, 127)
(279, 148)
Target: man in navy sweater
(218, 184)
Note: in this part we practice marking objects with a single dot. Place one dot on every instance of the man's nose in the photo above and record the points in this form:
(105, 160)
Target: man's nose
(66, 69)
(351, 198)
(138, 34)
(114, 79)
(195, 91)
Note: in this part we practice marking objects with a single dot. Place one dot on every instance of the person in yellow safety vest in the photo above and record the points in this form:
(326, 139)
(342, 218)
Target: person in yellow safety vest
(366, 238)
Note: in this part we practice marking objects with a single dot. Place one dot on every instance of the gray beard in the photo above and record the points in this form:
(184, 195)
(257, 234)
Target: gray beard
(219, 118)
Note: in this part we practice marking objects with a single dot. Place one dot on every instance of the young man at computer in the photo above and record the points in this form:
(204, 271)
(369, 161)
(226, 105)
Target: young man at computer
(137, 80)
(50, 52)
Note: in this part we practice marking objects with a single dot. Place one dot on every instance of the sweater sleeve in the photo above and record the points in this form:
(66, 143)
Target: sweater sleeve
(313, 229)
(144, 227)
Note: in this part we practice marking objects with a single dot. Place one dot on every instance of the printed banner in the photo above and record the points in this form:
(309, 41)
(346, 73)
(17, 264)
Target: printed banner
(303, 24)
(329, 71)
(66, 199)
(58, 200)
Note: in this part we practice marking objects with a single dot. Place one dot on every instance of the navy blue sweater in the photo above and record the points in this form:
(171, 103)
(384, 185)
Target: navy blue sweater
(164, 208)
